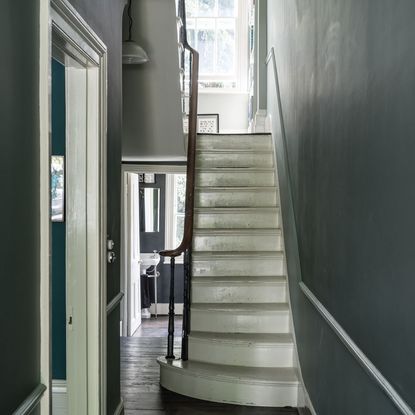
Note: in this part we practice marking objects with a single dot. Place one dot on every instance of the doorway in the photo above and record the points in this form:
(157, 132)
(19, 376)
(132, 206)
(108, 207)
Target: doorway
(152, 220)
(76, 213)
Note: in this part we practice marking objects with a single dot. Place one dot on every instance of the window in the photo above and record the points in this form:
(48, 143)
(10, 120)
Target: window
(175, 208)
(218, 30)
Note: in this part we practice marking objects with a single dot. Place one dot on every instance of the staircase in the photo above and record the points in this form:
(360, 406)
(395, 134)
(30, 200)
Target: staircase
(241, 347)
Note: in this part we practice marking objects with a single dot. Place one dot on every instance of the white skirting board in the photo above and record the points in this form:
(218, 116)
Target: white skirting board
(59, 397)
(163, 309)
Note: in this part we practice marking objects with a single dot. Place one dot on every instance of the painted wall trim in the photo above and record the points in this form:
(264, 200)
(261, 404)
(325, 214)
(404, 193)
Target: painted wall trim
(44, 203)
(31, 401)
(357, 353)
(120, 408)
(112, 305)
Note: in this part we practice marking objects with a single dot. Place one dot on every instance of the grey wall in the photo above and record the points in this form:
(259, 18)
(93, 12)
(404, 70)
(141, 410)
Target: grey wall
(19, 175)
(152, 128)
(347, 76)
(105, 17)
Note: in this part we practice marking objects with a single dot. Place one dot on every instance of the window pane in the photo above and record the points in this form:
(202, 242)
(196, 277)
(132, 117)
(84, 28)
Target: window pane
(206, 8)
(179, 228)
(206, 48)
(191, 6)
(226, 47)
(226, 8)
(180, 192)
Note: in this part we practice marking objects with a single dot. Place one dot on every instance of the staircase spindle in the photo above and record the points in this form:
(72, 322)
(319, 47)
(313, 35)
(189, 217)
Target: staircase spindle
(170, 338)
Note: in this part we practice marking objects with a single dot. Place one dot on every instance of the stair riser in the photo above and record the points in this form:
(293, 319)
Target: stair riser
(237, 267)
(237, 220)
(234, 142)
(228, 198)
(237, 322)
(234, 392)
(246, 354)
(210, 160)
(229, 178)
(261, 293)
(233, 243)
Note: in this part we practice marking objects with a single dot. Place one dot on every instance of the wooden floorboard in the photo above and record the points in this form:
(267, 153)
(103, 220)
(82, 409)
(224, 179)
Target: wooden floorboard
(140, 379)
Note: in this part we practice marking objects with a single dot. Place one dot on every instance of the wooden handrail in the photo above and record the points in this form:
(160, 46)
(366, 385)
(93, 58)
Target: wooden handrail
(191, 143)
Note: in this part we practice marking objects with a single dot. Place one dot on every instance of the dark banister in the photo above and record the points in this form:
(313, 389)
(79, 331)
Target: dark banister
(186, 243)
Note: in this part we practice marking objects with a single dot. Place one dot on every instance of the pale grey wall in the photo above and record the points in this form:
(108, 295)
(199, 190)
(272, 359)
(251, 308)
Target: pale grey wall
(232, 108)
(152, 127)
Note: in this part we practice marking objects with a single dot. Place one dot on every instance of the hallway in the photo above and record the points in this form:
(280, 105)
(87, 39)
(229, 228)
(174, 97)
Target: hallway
(140, 378)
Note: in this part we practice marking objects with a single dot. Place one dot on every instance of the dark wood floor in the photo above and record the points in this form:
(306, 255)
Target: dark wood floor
(140, 379)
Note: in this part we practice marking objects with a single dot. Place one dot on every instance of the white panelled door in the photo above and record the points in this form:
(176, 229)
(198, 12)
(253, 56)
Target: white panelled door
(133, 254)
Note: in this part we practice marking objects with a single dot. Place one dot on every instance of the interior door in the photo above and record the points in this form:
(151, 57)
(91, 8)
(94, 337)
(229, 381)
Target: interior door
(133, 254)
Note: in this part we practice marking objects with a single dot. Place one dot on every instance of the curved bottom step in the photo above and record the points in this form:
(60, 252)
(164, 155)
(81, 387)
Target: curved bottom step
(272, 387)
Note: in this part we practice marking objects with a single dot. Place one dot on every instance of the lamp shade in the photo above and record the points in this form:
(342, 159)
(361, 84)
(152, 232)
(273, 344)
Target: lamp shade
(133, 54)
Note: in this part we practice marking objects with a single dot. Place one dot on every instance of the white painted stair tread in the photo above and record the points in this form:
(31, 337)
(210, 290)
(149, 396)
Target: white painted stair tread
(240, 373)
(269, 339)
(208, 255)
(236, 231)
(243, 308)
(239, 209)
(235, 141)
(236, 196)
(238, 280)
(248, 239)
(233, 189)
(247, 263)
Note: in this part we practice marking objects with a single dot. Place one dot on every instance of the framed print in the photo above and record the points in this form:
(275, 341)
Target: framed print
(206, 123)
(57, 188)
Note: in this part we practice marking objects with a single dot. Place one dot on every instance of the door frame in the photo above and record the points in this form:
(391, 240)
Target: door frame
(59, 19)
(136, 168)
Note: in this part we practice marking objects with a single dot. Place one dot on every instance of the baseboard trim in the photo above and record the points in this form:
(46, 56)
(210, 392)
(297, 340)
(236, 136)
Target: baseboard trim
(120, 408)
(163, 309)
(357, 353)
(59, 397)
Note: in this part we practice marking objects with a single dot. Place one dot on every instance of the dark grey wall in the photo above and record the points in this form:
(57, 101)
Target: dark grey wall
(19, 175)
(105, 17)
(347, 76)
(150, 241)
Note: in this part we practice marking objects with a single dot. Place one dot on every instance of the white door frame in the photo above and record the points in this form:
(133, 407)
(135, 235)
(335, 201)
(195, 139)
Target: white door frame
(63, 27)
(136, 168)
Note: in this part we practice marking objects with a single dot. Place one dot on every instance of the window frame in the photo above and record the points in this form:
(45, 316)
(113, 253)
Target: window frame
(241, 52)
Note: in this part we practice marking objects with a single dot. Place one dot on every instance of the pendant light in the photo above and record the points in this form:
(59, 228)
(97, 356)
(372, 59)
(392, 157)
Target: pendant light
(132, 53)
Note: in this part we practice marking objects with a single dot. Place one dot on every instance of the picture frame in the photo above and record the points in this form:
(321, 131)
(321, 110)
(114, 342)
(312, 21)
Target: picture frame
(206, 123)
(57, 188)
